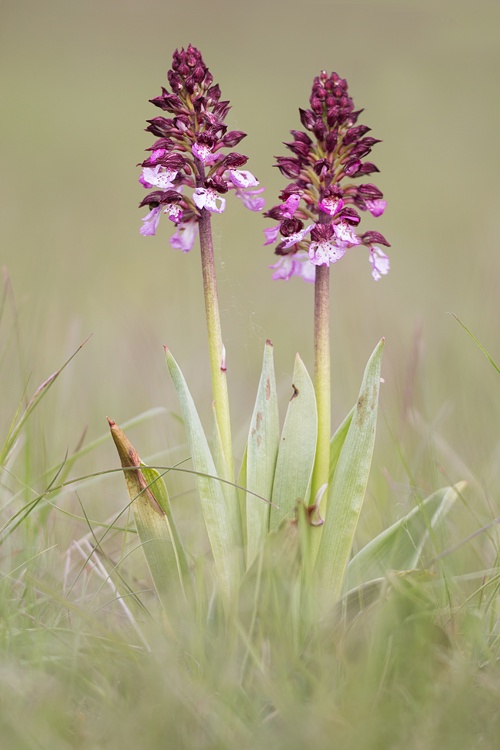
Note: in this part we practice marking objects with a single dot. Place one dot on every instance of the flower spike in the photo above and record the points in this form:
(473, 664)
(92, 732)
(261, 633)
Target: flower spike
(323, 163)
(187, 166)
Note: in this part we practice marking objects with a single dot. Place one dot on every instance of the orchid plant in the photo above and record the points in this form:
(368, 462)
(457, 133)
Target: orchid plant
(301, 485)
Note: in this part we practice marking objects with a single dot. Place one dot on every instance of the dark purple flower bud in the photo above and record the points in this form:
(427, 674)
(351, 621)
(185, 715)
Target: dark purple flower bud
(354, 134)
(366, 168)
(369, 192)
(322, 232)
(207, 139)
(331, 142)
(316, 105)
(292, 189)
(221, 109)
(181, 123)
(321, 165)
(232, 138)
(167, 102)
(350, 215)
(359, 150)
(160, 127)
(191, 84)
(369, 141)
(351, 166)
(320, 129)
(170, 196)
(199, 74)
(213, 95)
(299, 148)
(307, 118)
(291, 226)
(369, 238)
(353, 117)
(288, 167)
(334, 116)
(302, 137)
(218, 130)
(199, 104)
(173, 161)
(274, 213)
(165, 143)
(175, 81)
(153, 199)
(217, 183)
(234, 160)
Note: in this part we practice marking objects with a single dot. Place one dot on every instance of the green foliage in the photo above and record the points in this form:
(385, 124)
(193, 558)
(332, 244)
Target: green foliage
(261, 454)
(296, 448)
(400, 546)
(222, 517)
(347, 490)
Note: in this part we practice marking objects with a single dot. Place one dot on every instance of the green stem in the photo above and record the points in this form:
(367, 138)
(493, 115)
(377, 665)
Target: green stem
(217, 357)
(322, 381)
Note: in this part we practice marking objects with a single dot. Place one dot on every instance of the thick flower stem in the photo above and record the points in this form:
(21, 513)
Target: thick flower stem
(322, 381)
(217, 358)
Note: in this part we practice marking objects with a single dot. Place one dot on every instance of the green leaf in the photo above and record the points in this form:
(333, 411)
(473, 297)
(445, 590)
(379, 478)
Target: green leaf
(347, 489)
(297, 447)
(262, 451)
(400, 546)
(337, 442)
(242, 494)
(159, 490)
(222, 518)
(155, 525)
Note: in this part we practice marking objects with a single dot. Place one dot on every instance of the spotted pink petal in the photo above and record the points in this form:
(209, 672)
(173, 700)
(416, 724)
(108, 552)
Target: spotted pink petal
(324, 252)
(346, 234)
(331, 205)
(209, 199)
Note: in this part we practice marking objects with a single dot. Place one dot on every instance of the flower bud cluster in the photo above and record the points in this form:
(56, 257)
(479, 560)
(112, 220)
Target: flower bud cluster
(318, 215)
(187, 166)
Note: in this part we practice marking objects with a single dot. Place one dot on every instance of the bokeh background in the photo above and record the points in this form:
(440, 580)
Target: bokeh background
(76, 78)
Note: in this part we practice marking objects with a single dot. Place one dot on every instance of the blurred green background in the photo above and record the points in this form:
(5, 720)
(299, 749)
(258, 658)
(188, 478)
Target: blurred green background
(76, 78)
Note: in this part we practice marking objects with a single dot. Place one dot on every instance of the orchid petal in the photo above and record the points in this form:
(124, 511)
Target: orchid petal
(185, 236)
(207, 198)
(380, 263)
(242, 178)
(324, 252)
(151, 221)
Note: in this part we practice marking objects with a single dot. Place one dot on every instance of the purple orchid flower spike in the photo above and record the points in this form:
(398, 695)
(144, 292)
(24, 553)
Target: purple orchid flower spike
(319, 215)
(188, 168)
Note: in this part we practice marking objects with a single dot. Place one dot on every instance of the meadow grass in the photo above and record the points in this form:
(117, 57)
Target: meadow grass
(87, 659)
